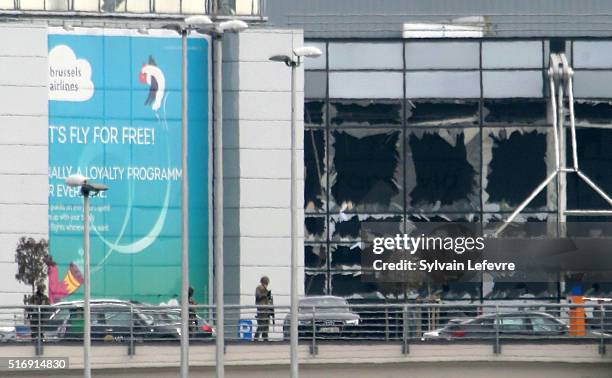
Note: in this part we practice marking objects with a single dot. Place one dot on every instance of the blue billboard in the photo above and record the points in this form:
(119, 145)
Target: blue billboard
(115, 117)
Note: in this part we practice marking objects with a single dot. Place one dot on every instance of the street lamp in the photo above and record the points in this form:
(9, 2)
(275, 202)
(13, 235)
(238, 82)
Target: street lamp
(294, 61)
(204, 25)
(87, 189)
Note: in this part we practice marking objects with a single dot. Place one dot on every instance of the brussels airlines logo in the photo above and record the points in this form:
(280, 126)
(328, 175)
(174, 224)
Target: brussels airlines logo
(151, 75)
(69, 76)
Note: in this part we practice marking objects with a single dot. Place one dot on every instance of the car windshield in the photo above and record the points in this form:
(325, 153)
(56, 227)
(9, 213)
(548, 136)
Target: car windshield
(324, 305)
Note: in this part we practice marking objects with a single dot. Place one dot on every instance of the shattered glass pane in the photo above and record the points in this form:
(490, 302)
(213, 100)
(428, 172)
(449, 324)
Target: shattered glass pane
(315, 229)
(365, 113)
(519, 112)
(346, 257)
(366, 172)
(525, 224)
(441, 218)
(349, 284)
(314, 113)
(515, 163)
(314, 283)
(315, 193)
(442, 114)
(593, 113)
(442, 169)
(349, 227)
(469, 291)
(315, 256)
(595, 159)
(518, 290)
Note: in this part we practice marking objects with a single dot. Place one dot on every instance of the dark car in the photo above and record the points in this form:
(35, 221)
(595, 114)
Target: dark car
(331, 316)
(171, 318)
(116, 321)
(516, 324)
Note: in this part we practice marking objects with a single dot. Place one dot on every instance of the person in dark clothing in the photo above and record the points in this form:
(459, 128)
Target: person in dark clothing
(193, 319)
(265, 309)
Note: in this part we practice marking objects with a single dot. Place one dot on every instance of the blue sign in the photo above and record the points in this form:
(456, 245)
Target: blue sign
(115, 117)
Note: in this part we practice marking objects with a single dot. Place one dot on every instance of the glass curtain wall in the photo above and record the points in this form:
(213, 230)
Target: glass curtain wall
(434, 131)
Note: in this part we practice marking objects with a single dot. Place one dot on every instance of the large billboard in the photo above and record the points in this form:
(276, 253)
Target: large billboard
(115, 117)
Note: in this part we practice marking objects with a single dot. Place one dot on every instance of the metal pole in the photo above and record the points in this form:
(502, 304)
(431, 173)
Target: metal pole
(218, 207)
(86, 289)
(185, 220)
(294, 228)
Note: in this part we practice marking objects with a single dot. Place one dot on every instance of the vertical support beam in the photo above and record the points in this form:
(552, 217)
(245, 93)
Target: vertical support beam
(86, 289)
(294, 226)
(562, 174)
(218, 207)
(185, 219)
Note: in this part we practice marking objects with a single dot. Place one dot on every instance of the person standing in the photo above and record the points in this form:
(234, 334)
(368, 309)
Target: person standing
(265, 309)
(193, 318)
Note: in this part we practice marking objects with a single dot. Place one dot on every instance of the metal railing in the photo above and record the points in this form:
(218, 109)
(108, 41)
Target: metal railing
(162, 7)
(402, 324)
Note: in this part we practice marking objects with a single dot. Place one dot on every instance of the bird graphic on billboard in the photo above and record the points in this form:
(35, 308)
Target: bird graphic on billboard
(153, 76)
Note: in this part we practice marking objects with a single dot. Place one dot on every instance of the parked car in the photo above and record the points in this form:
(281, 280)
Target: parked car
(163, 317)
(518, 324)
(117, 321)
(331, 315)
(16, 333)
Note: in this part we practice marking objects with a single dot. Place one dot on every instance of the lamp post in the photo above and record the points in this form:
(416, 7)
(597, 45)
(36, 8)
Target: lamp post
(294, 61)
(87, 189)
(204, 25)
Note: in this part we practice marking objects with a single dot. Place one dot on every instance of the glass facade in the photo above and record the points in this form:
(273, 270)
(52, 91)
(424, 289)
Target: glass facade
(410, 131)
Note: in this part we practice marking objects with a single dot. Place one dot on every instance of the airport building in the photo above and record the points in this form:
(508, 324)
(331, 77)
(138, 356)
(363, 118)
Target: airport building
(413, 113)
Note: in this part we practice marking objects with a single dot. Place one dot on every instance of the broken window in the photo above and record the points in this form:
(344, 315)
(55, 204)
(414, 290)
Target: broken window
(351, 227)
(515, 112)
(525, 224)
(593, 113)
(514, 165)
(315, 256)
(315, 228)
(349, 284)
(595, 158)
(315, 283)
(346, 257)
(314, 113)
(442, 169)
(450, 291)
(365, 113)
(502, 289)
(315, 194)
(442, 114)
(366, 172)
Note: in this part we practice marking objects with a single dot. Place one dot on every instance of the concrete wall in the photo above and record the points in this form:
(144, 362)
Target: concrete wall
(23, 147)
(257, 169)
